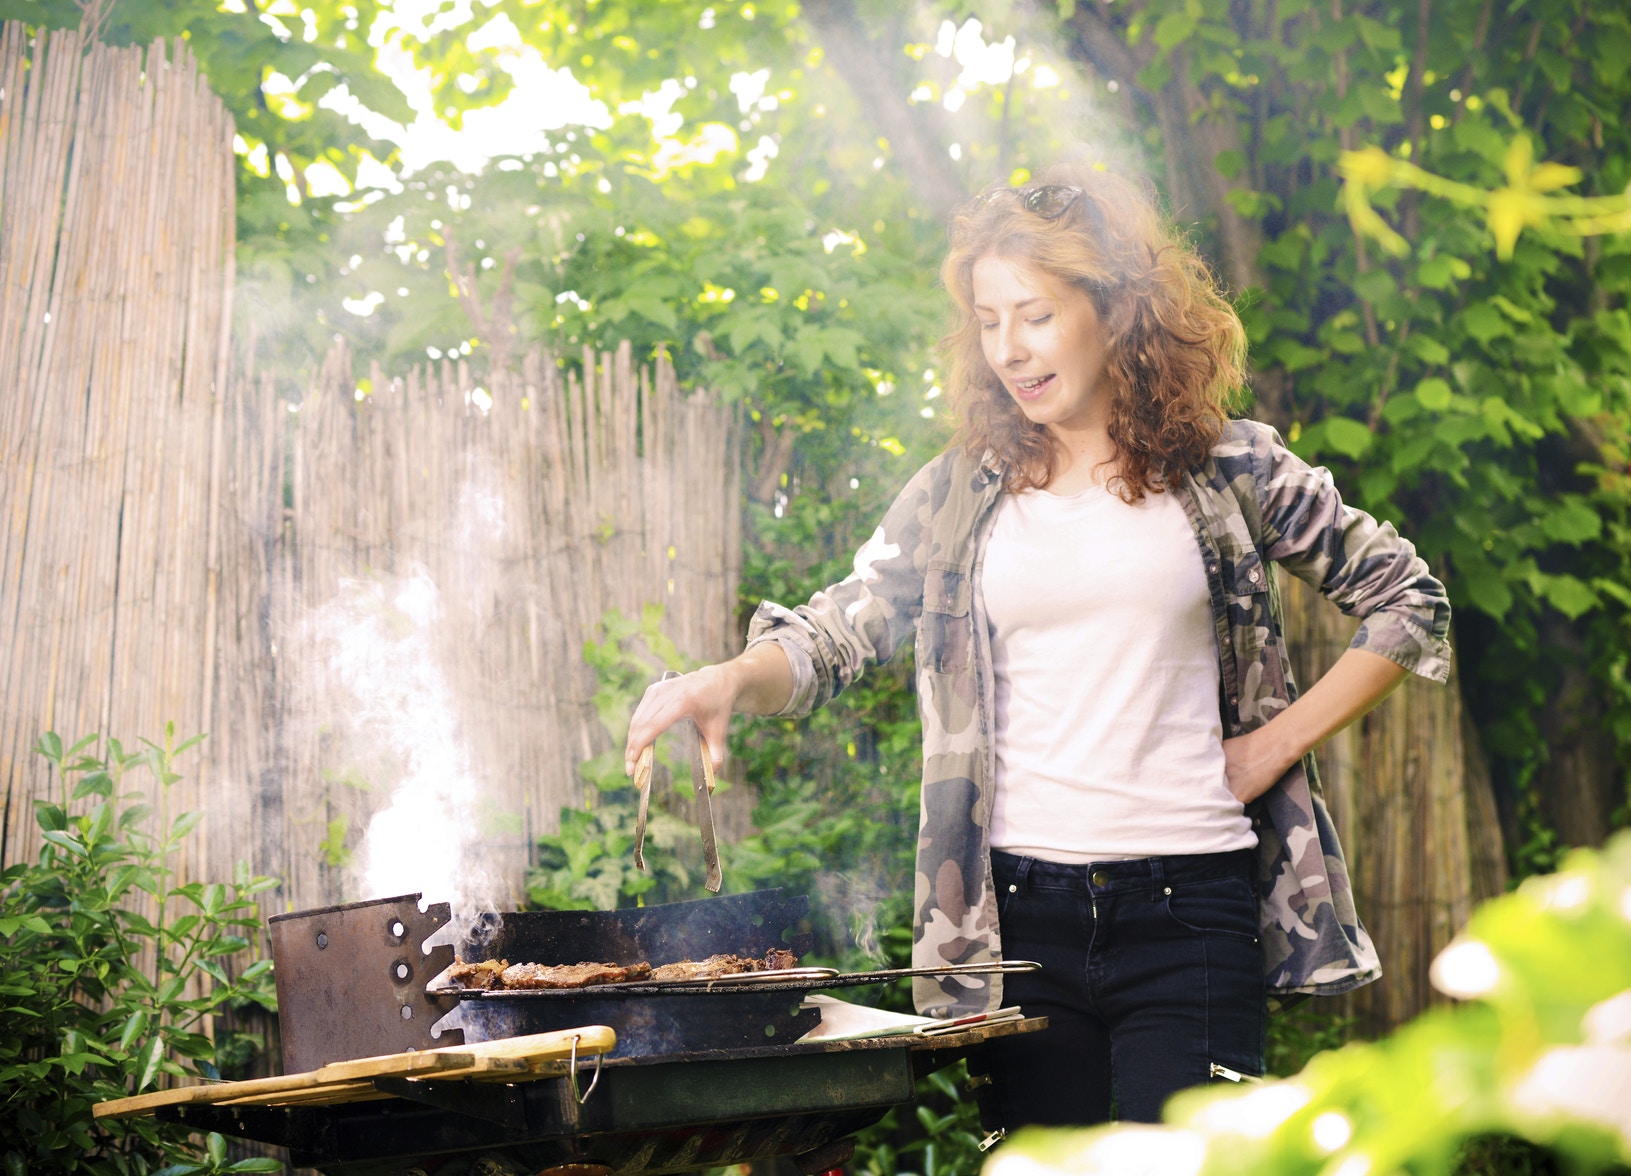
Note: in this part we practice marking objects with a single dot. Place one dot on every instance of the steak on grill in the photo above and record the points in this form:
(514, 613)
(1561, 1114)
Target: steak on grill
(725, 965)
(570, 975)
(482, 974)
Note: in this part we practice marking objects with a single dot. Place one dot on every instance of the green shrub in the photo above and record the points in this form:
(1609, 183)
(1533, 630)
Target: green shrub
(109, 967)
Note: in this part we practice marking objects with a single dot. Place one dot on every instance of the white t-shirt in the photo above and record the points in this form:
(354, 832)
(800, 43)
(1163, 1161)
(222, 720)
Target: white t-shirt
(1109, 740)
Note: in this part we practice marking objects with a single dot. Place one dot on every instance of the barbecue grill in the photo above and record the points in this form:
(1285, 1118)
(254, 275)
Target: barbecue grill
(702, 1073)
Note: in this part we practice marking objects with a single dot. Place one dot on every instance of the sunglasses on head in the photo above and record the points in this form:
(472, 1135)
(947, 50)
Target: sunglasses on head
(1048, 201)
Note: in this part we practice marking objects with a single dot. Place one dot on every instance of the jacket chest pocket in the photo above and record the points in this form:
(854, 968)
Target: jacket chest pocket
(1248, 593)
(945, 637)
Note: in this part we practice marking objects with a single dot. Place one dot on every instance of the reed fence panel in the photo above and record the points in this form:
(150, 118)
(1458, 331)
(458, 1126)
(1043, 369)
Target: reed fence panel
(116, 277)
(184, 539)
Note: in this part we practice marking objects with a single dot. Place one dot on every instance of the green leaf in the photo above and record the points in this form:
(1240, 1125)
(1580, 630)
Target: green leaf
(65, 841)
(1484, 323)
(93, 784)
(1570, 596)
(185, 824)
(1348, 437)
(654, 310)
(1618, 591)
(149, 1061)
(1434, 394)
(1436, 272)
(1375, 285)
(1428, 349)
(1572, 521)
(212, 897)
(135, 1026)
(134, 815)
(50, 816)
(1380, 37)
(1296, 357)
(1484, 587)
(1173, 30)
(255, 1164)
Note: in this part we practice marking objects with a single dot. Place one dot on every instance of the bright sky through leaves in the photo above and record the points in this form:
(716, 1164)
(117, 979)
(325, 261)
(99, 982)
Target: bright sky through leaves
(544, 99)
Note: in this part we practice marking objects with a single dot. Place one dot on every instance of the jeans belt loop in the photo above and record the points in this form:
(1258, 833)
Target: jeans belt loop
(1022, 875)
(1158, 878)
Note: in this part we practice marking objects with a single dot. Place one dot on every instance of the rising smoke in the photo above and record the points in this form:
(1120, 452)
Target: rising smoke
(380, 673)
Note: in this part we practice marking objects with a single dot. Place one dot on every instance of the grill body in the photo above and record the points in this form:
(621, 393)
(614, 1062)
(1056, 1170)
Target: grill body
(699, 1079)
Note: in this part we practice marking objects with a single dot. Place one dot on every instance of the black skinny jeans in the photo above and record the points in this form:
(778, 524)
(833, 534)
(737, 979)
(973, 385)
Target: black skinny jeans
(1152, 975)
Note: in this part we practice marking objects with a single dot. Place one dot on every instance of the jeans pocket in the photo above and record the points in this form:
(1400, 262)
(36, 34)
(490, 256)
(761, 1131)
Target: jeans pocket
(1007, 890)
(1215, 906)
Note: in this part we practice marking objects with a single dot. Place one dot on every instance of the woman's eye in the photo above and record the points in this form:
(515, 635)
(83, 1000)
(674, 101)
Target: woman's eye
(1037, 322)
(988, 326)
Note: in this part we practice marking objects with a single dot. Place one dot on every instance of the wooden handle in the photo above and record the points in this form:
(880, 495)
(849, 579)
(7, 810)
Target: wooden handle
(707, 761)
(509, 1059)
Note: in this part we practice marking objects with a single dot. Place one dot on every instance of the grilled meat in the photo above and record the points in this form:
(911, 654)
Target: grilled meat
(482, 974)
(725, 965)
(571, 975)
(497, 974)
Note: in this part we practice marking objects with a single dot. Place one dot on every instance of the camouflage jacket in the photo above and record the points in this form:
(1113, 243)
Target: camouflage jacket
(1251, 503)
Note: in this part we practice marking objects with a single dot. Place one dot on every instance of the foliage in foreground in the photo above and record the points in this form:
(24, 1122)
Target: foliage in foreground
(110, 967)
(1541, 1055)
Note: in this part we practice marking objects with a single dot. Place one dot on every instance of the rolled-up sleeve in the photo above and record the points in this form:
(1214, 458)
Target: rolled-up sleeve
(862, 619)
(776, 625)
(1362, 565)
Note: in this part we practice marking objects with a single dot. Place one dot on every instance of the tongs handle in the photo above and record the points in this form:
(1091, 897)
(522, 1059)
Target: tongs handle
(993, 968)
(642, 781)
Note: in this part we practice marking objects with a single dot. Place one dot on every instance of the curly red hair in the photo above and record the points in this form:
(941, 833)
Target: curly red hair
(1175, 352)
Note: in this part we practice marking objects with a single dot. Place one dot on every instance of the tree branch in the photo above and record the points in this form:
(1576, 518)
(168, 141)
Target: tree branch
(775, 452)
(494, 324)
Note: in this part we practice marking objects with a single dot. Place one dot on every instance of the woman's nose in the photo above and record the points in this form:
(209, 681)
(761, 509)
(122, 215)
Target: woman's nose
(1008, 350)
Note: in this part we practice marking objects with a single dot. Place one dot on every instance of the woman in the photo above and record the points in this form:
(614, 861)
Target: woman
(1116, 772)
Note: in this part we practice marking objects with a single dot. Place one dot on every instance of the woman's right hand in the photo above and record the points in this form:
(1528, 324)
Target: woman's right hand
(707, 695)
(759, 682)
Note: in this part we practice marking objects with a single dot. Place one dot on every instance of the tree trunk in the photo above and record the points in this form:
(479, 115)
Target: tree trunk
(1580, 780)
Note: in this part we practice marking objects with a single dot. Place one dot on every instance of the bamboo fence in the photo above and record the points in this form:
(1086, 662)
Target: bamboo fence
(116, 278)
(178, 530)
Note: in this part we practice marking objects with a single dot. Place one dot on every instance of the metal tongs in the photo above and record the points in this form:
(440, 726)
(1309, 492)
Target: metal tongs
(702, 783)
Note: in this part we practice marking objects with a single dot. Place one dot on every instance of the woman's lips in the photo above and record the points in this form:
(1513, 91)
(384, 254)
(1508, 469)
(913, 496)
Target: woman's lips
(1032, 389)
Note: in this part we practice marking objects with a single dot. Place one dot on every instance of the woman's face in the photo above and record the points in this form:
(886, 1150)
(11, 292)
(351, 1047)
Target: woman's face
(1043, 339)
